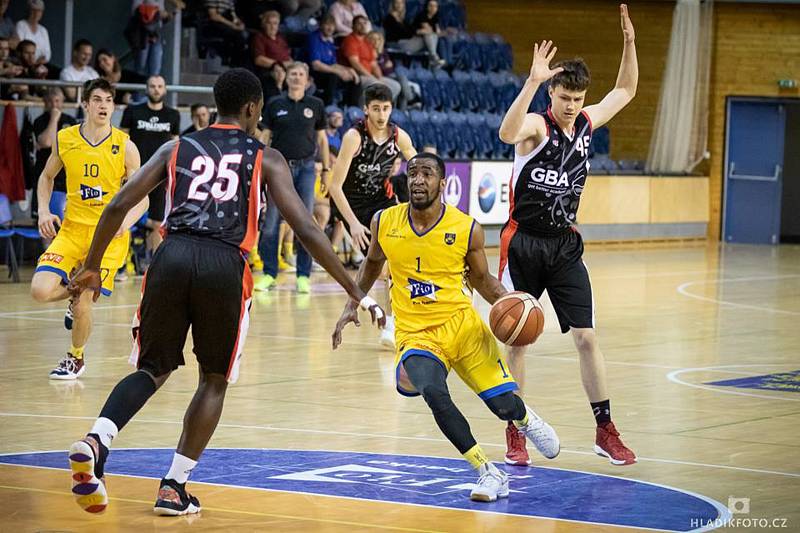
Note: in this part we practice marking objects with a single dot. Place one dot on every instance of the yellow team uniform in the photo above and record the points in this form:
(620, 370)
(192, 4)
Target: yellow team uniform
(432, 301)
(94, 176)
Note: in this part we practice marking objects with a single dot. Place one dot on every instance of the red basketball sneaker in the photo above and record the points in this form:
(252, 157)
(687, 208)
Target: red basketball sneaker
(516, 454)
(608, 444)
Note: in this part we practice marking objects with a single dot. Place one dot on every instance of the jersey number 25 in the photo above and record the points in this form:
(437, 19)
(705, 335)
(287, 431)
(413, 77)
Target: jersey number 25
(226, 183)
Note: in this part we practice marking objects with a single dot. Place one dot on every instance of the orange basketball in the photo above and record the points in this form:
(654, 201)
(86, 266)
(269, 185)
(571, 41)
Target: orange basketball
(517, 319)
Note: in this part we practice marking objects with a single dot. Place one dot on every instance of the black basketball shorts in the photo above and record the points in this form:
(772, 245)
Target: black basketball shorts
(198, 282)
(535, 264)
(363, 213)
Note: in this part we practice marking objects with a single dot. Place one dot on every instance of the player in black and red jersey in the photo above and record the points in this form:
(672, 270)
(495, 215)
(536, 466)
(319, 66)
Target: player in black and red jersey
(199, 278)
(540, 248)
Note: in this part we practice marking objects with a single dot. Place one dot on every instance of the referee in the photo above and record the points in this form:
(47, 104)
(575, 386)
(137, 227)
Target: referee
(295, 126)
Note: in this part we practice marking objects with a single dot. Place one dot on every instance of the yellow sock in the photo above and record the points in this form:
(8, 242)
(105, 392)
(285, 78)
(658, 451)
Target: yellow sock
(288, 249)
(522, 422)
(76, 352)
(476, 456)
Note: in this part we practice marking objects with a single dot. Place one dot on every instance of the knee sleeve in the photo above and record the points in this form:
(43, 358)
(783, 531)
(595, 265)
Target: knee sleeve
(507, 406)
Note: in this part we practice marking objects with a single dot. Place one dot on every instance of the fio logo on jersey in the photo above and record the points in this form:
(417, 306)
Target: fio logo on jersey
(449, 238)
(422, 289)
(91, 193)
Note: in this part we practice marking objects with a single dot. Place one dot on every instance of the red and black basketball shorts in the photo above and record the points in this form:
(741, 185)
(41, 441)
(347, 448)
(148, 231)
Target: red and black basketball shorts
(195, 282)
(537, 263)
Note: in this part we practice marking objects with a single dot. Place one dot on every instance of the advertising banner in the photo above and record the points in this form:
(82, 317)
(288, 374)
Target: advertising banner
(490, 191)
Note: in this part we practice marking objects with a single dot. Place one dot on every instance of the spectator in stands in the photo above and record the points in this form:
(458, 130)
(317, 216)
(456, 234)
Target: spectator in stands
(408, 89)
(358, 53)
(328, 74)
(107, 66)
(275, 83)
(45, 128)
(145, 27)
(399, 181)
(8, 68)
(201, 118)
(426, 23)
(29, 29)
(269, 46)
(335, 120)
(222, 22)
(7, 26)
(410, 41)
(344, 13)
(303, 9)
(26, 54)
(150, 125)
(79, 69)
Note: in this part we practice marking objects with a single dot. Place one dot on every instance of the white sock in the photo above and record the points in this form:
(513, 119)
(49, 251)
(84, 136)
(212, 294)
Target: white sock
(106, 430)
(181, 468)
(389, 323)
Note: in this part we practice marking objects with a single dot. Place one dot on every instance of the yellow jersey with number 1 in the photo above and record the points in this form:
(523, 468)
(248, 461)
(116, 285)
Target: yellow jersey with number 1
(429, 270)
(94, 172)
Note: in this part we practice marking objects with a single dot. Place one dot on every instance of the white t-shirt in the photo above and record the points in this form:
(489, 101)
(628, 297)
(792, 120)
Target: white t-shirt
(70, 73)
(40, 37)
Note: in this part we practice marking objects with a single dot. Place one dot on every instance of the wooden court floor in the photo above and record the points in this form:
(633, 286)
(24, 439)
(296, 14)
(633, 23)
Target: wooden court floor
(671, 320)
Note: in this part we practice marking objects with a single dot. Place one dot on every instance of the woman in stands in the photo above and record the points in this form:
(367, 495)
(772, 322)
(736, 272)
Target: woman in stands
(107, 65)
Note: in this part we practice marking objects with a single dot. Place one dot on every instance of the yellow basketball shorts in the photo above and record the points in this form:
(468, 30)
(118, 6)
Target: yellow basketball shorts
(70, 248)
(465, 344)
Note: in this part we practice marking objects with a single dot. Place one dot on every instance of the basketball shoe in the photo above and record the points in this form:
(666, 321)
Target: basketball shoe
(70, 367)
(492, 484)
(541, 434)
(264, 283)
(387, 333)
(86, 460)
(173, 500)
(516, 454)
(608, 444)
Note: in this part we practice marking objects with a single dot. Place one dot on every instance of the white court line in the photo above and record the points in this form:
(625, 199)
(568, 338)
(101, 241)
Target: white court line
(400, 437)
(62, 310)
(673, 377)
(682, 289)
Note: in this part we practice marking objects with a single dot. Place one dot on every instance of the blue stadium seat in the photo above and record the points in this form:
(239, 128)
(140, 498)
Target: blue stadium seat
(352, 115)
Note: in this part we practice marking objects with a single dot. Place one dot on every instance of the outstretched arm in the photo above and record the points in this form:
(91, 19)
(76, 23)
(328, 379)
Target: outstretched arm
(371, 268)
(518, 125)
(351, 144)
(627, 79)
(132, 163)
(142, 182)
(281, 190)
(481, 280)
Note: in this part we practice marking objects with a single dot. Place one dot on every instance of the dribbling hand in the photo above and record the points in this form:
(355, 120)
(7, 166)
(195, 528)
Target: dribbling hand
(350, 314)
(85, 279)
(540, 67)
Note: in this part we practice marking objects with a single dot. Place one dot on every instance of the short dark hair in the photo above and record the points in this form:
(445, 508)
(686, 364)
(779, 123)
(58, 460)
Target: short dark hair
(357, 17)
(234, 89)
(25, 42)
(377, 91)
(439, 162)
(195, 107)
(81, 42)
(574, 77)
(97, 84)
(327, 18)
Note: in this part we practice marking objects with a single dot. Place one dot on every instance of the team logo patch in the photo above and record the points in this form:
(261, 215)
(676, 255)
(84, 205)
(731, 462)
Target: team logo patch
(50, 257)
(422, 289)
(308, 113)
(449, 238)
(89, 192)
(114, 148)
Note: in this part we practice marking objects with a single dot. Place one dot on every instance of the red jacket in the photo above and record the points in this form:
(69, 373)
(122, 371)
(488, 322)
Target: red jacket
(12, 176)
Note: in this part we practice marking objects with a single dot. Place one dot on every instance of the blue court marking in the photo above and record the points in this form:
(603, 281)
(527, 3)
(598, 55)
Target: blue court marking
(426, 481)
(782, 381)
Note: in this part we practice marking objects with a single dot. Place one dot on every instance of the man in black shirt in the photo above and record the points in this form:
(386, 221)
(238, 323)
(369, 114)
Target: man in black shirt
(150, 125)
(295, 126)
(45, 128)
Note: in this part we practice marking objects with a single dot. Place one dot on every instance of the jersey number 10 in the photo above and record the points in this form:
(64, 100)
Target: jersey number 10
(226, 182)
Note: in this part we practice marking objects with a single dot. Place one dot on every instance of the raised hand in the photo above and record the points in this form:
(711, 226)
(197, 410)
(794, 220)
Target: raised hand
(540, 67)
(627, 26)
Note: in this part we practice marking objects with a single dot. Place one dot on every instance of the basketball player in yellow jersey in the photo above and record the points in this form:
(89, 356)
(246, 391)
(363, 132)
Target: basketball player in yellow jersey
(97, 159)
(435, 254)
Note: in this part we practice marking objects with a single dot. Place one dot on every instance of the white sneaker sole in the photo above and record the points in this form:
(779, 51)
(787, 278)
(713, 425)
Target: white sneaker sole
(89, 492)
(68, 377)
(516, 463)
(165, 511)
(488, 498)
(616, 462)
